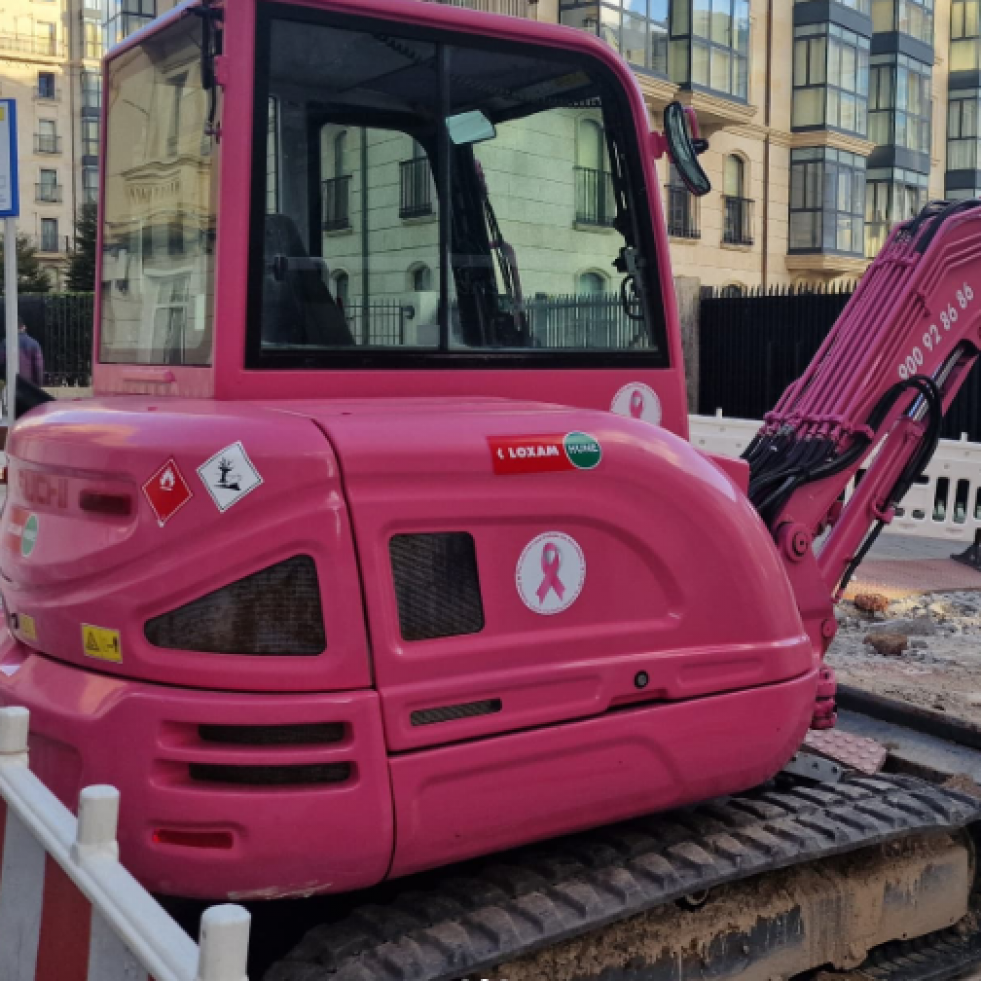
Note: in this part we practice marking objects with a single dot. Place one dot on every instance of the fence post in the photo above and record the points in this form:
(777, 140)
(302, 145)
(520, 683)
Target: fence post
(14, 725)
(98, 818)
(224, 944)
(688, 292)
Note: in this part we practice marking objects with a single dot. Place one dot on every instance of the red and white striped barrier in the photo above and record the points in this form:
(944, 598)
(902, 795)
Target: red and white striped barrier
(69, 911)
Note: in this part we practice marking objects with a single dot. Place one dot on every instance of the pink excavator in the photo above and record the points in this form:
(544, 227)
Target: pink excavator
(381, 547)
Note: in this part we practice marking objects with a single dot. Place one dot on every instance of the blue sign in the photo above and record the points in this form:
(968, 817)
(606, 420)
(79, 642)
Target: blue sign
(9, 186)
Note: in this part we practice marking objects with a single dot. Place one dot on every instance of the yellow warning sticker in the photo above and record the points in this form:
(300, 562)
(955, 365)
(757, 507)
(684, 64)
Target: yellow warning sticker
(26, 626)
(102, 644)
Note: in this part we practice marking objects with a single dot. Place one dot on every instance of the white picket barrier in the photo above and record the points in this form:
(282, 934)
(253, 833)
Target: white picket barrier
(68, 908)
(946, 504)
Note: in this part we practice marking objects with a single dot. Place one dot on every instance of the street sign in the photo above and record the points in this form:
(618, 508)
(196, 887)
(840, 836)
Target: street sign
(9, 193)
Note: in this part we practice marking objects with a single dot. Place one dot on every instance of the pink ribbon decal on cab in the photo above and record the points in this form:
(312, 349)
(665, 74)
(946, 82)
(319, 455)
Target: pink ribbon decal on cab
(637, 404)
(551, 561)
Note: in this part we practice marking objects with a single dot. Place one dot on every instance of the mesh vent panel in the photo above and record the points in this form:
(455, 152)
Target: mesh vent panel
(276, 776)
(450, 713)
(436, 585)
(300, 735)
(275, 611)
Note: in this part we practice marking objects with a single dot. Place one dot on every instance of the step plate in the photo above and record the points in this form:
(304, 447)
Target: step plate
(484, 914)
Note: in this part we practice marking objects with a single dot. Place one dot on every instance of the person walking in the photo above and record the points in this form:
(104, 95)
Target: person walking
(31, 361)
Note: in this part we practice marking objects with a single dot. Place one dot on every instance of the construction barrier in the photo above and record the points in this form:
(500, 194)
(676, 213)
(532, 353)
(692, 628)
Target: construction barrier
(69, 911)
(944, 503)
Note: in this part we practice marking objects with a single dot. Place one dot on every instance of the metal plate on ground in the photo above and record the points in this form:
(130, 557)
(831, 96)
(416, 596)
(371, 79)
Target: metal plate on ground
(858, 752)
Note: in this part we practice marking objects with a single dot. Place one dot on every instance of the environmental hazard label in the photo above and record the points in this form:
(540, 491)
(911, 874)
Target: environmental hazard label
(229, 475)
(102, 644)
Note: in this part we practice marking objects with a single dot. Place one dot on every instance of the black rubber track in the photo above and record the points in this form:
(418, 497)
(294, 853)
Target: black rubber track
(531, 898)
(936, 957)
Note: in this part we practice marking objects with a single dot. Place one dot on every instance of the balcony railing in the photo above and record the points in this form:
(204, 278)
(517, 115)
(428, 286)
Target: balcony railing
(47, 93)
(336, 203)
(46, 143)
(48, 193)
(595, 204)
(511, 8)
(682, 213)
(53, 244)
(737, 226)
(28, 44)
(416, 196)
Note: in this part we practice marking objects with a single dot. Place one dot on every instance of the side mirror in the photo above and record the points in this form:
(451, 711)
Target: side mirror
(684, 146)
(467, 128)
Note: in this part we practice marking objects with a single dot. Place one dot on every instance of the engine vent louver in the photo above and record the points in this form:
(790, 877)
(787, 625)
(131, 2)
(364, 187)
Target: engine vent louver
(314, 734)
(436, 585)
(276, 611)
(300, 775)
(450, 713)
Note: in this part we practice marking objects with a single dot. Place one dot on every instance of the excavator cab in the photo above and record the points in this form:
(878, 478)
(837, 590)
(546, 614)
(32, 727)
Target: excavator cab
(407, 194)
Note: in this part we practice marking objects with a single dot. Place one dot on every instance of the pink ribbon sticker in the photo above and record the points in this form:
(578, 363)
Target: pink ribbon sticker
(551, 561)
(637, 404)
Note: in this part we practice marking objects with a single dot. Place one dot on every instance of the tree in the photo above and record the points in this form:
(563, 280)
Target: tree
(81, 266)
(31, 278)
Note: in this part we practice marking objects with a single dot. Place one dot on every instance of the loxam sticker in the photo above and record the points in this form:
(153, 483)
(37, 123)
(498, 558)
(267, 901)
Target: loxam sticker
(167, 492)
(102, 644)
(229, 475)
(544, 454)
(638, 401)
(551, 573)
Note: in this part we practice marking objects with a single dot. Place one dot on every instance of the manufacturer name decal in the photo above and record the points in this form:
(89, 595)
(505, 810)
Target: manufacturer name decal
(544, 454)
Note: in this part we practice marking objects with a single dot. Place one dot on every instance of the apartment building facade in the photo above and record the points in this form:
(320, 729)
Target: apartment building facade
(829, 120)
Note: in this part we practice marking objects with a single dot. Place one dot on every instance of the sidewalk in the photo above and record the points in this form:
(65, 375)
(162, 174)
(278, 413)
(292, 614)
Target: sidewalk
(901, 565)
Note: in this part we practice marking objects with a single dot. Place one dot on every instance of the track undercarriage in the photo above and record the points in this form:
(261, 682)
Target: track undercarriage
(785, 880)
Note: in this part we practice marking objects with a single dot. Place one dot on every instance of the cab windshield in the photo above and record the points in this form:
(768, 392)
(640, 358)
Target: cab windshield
(418, 197)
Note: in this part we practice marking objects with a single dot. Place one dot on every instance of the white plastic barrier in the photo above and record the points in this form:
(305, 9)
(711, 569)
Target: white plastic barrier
(69, 910)
(945, 504)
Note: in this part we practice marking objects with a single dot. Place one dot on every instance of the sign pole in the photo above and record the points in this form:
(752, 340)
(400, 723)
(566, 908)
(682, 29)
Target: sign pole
(10, 315)
(9, 210)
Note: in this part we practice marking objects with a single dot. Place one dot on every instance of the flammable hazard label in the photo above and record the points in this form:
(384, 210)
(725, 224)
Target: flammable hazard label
(544, 454)
(102, 644)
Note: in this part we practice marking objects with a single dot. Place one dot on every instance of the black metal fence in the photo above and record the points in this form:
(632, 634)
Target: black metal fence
(752, 347)
(584, 321)
(384, 322)
(62, 324)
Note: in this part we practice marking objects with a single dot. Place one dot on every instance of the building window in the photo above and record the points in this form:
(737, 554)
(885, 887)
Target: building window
(737, 215)
(46, 85)
(861, 6)
(92, 40)
(124, 17)
(342, 289)
(90, 185)
(47, 140)
(336, 189)
(962, 132)
(91, 90)
(416, 185)
(831, 79)
(827, 201)
(900, 101)
(90, 137)
(47, 37)
(595, 203)
(893, 195)
(421, 278)
(682, 208)
(591, 284)
(637, 29)
(964, 36)
(49, 234)
(732, 291)
(911, 17)
(47, 189)
(710, 47)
